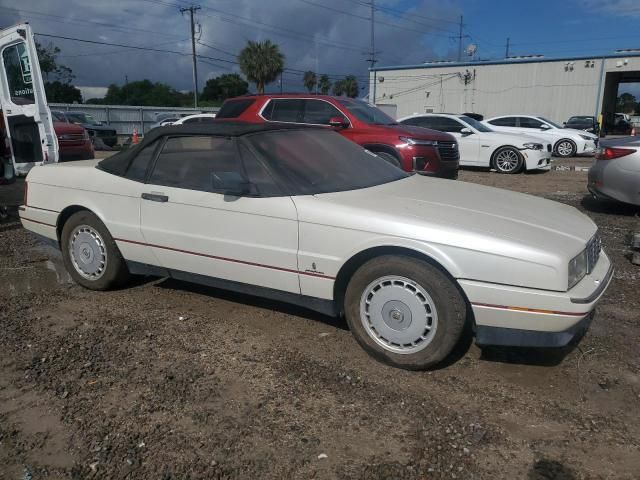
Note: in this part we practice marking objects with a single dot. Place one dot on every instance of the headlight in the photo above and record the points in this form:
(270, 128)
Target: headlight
(533, 146)
(586, 137)
(417, 141)
(577, 268)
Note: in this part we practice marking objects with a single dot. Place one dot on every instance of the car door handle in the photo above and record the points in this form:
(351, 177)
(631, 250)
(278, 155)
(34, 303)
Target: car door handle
(155, 197)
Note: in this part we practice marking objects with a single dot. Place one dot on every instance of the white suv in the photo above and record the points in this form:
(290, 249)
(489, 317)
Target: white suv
(481, 146)
(566, 142)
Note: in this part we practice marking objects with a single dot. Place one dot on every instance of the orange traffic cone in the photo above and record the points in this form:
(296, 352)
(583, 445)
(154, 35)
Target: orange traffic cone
(134, 139)
(633, 132)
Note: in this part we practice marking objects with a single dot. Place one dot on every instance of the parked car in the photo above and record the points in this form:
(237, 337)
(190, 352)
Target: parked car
(480, 146)
(23, 102)
(96, 129)
(197, 118)
(167, 118)
(566, 142)
(583, 122)
(615, 173)
(409, 260)
(73, 142)
(618, 124)
(413, 149)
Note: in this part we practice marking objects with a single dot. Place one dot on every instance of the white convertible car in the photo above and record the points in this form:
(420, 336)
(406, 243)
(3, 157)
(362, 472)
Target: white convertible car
(481, 146)
(305, 216)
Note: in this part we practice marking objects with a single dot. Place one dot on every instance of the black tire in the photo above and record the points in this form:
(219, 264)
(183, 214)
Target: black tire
(449, 306)
(565, 148)
(392, 159)
(114, 272)
(500, 165)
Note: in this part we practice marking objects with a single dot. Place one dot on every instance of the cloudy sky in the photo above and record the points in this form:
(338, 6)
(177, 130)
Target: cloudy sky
(330, 36)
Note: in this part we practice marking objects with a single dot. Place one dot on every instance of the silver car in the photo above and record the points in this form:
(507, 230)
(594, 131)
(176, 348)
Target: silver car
(615, 173)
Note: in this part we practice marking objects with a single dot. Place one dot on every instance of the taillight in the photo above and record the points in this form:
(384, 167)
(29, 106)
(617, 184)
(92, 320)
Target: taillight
(609, 153)
(26, 193)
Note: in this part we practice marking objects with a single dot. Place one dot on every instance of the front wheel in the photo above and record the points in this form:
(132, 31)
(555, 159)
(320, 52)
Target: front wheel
(90, 254)
(508, 160)
(565, 148)
(404, 311)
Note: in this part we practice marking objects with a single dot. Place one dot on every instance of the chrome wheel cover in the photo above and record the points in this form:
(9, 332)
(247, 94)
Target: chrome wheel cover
(507, 160)
(88, 252)
(398, 314)
(565, 149)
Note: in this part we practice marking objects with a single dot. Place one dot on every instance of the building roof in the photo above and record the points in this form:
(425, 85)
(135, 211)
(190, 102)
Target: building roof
(505, 61)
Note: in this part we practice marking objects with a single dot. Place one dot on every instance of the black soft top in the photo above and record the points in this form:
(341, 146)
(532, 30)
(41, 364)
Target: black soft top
(117, 164)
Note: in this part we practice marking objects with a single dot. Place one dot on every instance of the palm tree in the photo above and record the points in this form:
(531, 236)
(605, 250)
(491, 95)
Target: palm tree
(310, 80)
(350, 85)
(261, 63)
(338, 88)
(324, 84)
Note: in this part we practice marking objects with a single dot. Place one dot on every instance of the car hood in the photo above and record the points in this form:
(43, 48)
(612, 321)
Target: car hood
(416, 132)
(93, 126)
(68, 128)
(460, 216)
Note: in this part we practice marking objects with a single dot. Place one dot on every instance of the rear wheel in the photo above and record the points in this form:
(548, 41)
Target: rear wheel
(404, 311)
(90, 254)
(392, 159)
(565, 148)
(508, 160)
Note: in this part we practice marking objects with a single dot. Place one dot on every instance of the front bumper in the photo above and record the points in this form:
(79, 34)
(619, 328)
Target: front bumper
(519, 316)
(537, 159)
(588, 146)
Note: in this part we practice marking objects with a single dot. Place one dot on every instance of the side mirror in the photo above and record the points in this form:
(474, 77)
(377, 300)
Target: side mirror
(544, 126)
(231, 183)
(466, 131)
(338, 122)
(564, 124)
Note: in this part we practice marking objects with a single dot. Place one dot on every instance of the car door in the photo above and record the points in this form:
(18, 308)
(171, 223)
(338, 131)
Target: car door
(195, 229)
(29, 126)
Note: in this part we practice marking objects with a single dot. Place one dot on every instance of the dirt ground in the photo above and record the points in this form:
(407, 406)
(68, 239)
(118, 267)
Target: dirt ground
(165, 380)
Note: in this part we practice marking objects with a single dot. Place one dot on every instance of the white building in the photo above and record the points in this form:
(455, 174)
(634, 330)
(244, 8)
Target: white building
(554, 88)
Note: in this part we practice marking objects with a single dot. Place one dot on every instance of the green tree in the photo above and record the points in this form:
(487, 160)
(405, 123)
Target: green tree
(310, 80)
(223, 87)
(351, 88)
(338, 88)
(58, 92)
(324, 84)
(145, 93)
(261, 63)
(49, 66)
(626, 103)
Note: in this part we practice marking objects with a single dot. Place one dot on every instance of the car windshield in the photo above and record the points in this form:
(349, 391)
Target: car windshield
(366, 112)
(472, 122)
(553, 124)
(582, 120)
(58, 116)
(313, 161)
(81, 118)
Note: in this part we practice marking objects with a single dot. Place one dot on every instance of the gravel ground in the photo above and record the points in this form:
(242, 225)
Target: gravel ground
(168, 380)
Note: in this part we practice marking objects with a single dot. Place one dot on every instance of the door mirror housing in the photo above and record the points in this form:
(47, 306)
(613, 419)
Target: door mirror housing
(231, 183)
(339, 122)
(544, 126)
(466, 131)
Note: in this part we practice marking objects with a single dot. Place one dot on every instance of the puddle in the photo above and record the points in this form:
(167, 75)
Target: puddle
(35, 277)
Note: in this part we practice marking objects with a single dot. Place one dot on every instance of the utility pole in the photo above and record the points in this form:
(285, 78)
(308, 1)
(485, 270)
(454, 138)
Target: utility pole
(506, 53)
(460, 40)
(372, 59)
(192, 9)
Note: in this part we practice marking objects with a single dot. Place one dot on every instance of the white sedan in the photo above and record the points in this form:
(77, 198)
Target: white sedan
(567, 142)
(306, 216)
(196, 118)
(481, 146)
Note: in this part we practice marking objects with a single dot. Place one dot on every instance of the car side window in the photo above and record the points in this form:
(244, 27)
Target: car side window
(284, 110)
(138, 167)
(189, 162)
(526, 122)
(449, 125)
(258, 175)
(319, 112)
(504, 122)
(17, 68)
(425, 122)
